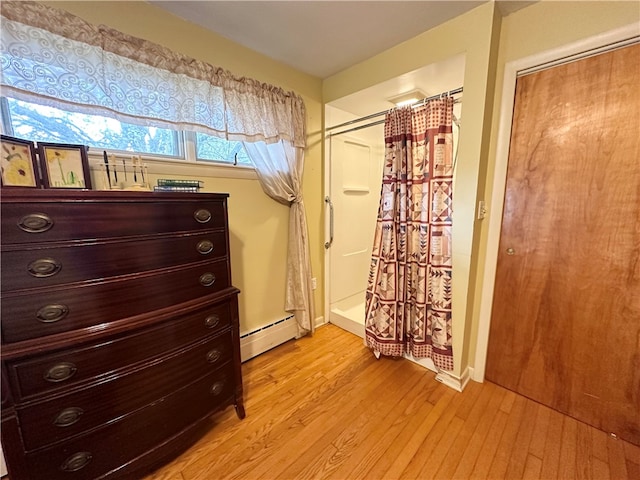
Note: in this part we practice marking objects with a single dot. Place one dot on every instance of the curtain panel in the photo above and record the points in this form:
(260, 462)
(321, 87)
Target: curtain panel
(279, 167)
(51, 57)
(408, 298)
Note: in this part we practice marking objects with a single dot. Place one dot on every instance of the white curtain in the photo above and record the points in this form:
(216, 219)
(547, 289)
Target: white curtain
(279, 167)
(51, 57)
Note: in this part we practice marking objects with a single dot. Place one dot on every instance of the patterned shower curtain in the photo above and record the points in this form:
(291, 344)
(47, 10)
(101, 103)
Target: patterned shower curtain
(408, 299)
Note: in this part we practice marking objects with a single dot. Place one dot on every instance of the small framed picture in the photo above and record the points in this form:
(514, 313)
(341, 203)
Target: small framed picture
(18, 163)
(64, 166)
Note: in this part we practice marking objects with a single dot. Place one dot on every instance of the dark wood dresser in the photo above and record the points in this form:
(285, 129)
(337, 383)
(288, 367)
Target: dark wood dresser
(120, 331)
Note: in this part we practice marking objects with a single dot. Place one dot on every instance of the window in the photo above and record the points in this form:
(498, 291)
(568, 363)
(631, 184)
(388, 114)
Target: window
(48, 124)
(209, 148)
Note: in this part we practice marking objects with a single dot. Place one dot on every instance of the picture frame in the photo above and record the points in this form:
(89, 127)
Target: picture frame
(64, 166)
(18, 163)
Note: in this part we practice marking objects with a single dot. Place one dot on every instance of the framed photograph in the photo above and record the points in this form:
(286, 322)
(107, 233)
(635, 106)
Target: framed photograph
(18, 163)
(64, 166)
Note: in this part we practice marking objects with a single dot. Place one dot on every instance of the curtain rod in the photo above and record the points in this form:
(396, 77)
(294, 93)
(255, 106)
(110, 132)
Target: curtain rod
(421, 102)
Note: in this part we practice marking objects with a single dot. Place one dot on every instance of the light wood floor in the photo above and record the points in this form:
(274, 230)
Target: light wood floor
(323, 407)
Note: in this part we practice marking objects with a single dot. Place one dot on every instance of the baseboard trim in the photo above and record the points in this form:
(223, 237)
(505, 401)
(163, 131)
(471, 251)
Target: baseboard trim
(267, 337)
(458, 383)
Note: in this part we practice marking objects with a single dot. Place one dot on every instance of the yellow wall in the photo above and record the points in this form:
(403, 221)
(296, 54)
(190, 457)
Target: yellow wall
(258, 225)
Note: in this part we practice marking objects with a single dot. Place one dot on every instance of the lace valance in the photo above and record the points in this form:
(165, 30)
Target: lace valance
(51, 57)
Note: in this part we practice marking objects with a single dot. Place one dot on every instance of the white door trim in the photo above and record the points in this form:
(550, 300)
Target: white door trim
(570, 52)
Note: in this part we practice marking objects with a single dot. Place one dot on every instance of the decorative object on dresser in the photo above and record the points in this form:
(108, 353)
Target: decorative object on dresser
(64, 166)
(120, 332)
(18, 163)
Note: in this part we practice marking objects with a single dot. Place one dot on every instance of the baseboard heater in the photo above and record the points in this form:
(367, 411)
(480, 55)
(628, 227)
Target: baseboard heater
(265, 338)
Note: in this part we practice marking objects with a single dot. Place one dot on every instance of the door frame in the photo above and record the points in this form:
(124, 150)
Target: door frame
(603, 42)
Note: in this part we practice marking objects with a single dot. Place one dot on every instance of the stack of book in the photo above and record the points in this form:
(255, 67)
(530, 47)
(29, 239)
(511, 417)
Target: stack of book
(169, 185)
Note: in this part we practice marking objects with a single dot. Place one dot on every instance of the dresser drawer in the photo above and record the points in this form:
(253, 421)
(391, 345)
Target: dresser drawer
(116, 444)
(52, 420)
(101, 359)
(37, 313)
(46, 222)
(43, 265)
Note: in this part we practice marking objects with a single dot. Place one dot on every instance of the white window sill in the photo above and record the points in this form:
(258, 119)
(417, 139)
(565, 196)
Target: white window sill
(182, 167)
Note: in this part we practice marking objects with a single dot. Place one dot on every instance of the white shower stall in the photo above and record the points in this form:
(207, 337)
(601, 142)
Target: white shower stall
(353, 176)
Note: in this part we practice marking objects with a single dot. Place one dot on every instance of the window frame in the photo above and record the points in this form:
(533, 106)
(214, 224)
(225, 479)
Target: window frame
(185, 143)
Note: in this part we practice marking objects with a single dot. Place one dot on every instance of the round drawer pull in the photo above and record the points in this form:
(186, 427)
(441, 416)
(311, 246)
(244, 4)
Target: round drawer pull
(202, 215)
(204, 247)
(68, 417)
(217, 388)
(52, 313)
(35, 223)
(212, 321)
(44, 267)
(207, 279)
(76, 461)
(60, 372)
(214, 355)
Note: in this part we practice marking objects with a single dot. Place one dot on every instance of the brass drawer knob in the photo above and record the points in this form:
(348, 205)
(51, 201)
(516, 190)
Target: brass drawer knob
(217, 388)
(35, 223)
(204, 247)
(202, 215)
(213, 355)
(212, 321)
(44, 267)
(60, 372)
(207, 279)
(52, 313)
(68, 417)
(76, 461)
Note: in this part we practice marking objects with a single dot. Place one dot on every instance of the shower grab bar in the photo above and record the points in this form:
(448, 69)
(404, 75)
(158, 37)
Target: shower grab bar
(328, 244)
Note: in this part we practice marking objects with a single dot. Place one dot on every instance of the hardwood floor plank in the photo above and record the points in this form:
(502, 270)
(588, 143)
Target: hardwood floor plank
(520, 448)
(551, 458)
(490, 447)
(633, 470)
(532, 468)
(437, 444)
(600, 469)
(463, 439)
(599, 441)
(503, 453)
(382, 455)
(583, 452)
(401, 453)
(343, 437)
(617, 460)
(302, 429)
(567, 465)
(264, 429)
(472, 451)
(373, 440)
(632, 452)
(507, 403)
(435, 451)
(539, 434)
(324, 408)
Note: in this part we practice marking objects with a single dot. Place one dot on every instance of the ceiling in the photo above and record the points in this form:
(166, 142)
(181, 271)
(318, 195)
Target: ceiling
(322, 38)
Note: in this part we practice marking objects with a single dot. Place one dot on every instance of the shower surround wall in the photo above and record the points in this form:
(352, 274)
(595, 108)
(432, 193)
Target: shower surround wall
(355, 174)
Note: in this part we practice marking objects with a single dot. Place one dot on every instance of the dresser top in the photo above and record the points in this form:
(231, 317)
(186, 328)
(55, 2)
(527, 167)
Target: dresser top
(16, 195)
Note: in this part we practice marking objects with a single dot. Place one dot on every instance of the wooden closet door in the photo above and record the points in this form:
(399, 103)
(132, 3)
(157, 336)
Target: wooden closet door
(565, 326)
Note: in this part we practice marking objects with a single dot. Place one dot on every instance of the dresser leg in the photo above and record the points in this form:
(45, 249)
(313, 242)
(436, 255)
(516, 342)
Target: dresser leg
(240, 408)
